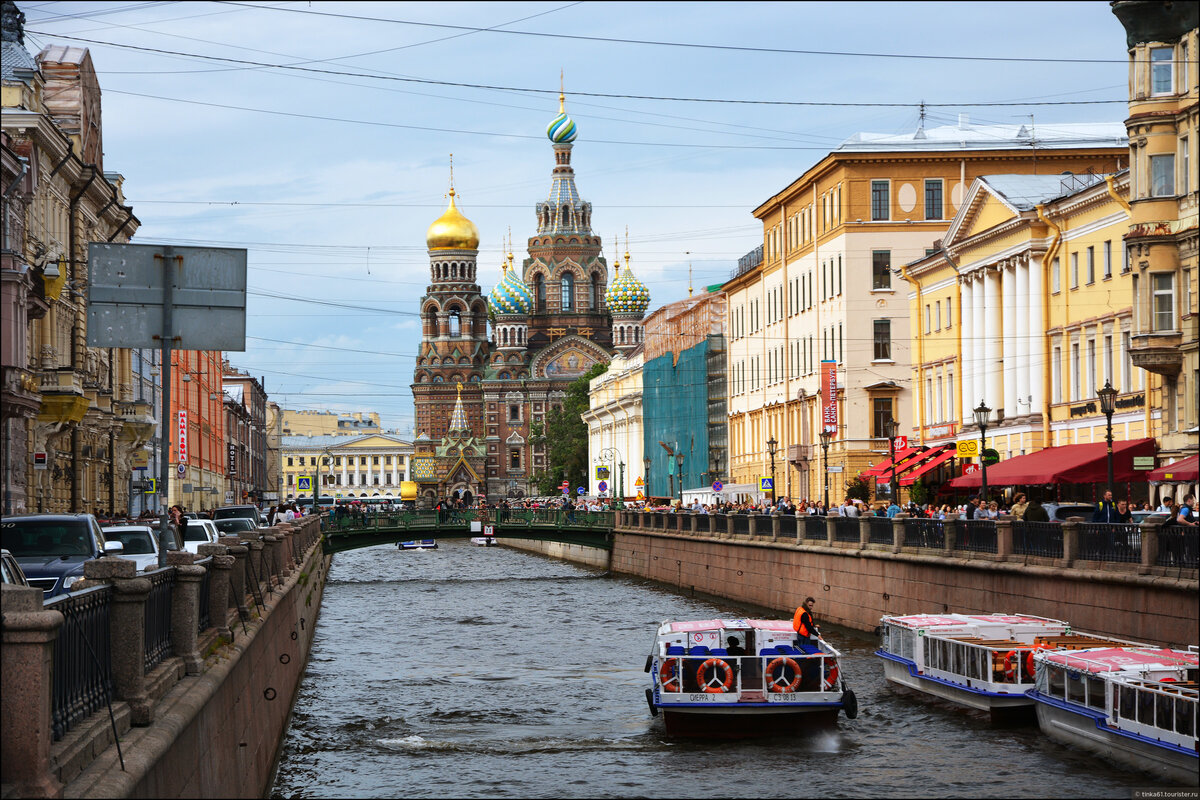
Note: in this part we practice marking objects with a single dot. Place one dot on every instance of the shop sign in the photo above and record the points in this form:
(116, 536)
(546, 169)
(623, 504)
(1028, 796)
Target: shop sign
(829, 387)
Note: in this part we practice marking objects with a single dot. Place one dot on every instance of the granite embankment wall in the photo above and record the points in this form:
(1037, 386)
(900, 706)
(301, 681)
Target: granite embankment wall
(857, 583)
(206, 721)
(579, 554)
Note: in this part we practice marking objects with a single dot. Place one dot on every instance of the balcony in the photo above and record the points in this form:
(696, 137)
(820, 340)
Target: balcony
(1157, 352)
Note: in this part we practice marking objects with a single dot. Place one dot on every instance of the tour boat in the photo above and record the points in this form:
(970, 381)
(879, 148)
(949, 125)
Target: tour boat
(418, 544)
(774, 689)
(981, 661)
(1135, 706)
(483, 541)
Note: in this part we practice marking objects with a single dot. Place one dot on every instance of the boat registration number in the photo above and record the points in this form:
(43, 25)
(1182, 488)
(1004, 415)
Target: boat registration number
(702, 697)
(783, 697)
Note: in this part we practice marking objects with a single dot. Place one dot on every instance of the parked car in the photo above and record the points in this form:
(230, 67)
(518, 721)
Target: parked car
(139, 544)
(51, 548)
(10, 570)
(1061, 512)
(250, 512)
(236, 526)
(198, 532)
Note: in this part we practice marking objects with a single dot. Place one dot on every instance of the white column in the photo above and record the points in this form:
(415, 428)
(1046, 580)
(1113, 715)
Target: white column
(343, 471)
(407, 474)
(396, 469)
(1036, 361)
(357, 472)
(1018, 371)
(978, 332)
(967, 368)
(1008, 294)
(992, 340)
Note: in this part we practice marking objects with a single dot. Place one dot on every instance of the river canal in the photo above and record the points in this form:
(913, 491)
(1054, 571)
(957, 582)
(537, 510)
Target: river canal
(488, 672)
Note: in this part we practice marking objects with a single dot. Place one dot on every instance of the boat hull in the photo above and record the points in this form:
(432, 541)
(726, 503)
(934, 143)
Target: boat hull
(748, 723)
(1088, 731)
(1000, 706)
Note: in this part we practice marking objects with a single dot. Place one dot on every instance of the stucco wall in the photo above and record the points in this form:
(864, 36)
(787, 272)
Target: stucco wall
(588, 556)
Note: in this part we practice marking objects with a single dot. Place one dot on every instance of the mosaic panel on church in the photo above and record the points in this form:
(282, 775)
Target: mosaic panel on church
(424, 469)
(570, 363)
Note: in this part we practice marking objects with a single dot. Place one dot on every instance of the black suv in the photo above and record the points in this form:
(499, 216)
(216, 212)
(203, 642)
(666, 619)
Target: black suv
(51, 548)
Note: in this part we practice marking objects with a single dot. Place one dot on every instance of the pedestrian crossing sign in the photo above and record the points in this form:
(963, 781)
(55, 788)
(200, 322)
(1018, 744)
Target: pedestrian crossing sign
(304, 483)
(766, 484)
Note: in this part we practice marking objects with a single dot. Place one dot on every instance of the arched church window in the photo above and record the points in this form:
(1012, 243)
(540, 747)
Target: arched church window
(568, 291)
(622, 336)
(455, 324)
(595, 291)
(539, 293)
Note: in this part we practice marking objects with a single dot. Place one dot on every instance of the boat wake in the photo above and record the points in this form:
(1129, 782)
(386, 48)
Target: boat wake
(417, 743)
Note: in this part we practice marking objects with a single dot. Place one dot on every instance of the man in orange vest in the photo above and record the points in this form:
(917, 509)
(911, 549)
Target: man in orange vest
(806, 630)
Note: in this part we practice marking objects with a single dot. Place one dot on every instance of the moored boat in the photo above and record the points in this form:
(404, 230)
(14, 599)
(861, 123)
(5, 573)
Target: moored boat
(981, 661)
(483, 541)
(418, 544)
(1135, 706)
(768, 687)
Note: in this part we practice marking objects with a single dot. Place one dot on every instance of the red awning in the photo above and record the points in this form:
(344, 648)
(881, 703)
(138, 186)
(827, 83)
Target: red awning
(886, 465)
(1072, 463)
(948, 453)
(1184, 471)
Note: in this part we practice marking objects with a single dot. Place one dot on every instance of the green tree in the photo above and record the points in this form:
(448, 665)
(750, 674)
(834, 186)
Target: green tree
(567, 437)
(858, 488)
(920, 491)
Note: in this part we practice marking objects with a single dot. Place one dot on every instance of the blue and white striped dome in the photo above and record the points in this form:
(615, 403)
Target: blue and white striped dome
(511, 295)
(627, 295)
(561, 129)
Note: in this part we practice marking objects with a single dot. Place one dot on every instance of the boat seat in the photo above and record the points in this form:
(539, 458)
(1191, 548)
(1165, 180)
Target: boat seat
(719, 651)
(768, 651)
(809, 649)
(700, 650)
(675, 650)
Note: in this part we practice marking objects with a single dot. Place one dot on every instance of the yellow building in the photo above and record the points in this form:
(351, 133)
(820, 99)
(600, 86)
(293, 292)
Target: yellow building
(329, 423)
(375, 465)
(825, 289)
(614, 421)
(1164, 109)
(1027, 308)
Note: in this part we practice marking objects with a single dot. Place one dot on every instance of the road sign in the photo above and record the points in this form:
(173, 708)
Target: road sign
(639, 482)
(150, 486)
(581, 490)
(140, 459)
(970, 469)
(1143, 462)
(901, 442)
(602, 486)
(838, 468)
(602, 473)
(181, 470)
(968, 448)
(303, 484)
(766, 484)
(188, 488)
(489, 530)
(717, 486)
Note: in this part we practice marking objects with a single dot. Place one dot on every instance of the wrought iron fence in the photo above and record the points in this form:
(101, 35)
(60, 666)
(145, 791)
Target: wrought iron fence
(1110, 542)
(787, 525)
(1043, 539)
(815, 529)
(204, 619)
(1178, 547)
(158, 616)
(82, 679)
(926, 533)
(881, 530)
(846, 529)
(976, 535)
(741, 523)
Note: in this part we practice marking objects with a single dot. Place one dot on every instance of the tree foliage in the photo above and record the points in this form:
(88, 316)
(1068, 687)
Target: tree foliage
(566, 436)
(858, 488)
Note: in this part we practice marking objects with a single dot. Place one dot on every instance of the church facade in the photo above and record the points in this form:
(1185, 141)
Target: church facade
(552, 319)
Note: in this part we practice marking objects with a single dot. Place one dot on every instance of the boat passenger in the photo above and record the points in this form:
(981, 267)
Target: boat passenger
(733, 647)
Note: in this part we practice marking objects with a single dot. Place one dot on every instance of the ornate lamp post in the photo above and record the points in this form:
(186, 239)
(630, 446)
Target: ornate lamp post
(772, 446)
(889, 429)
(614, 455)
(679, 470)
(1108, 404)
(826, 436)
(981, 418)
(646, 475)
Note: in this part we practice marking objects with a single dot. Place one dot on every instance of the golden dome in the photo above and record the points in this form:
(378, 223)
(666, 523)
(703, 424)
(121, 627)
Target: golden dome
(452, 231)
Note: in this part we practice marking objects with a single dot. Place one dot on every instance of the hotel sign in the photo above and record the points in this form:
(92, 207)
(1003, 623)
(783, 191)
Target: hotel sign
(232, 454)
(829, 387)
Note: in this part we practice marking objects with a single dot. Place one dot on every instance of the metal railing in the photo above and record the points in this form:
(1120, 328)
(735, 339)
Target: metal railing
(1043, 539)
(1110, 542)
(204, 618)
(815, 529)
(880, 530)
(82, 657)
(925, 533)
(787, 525)
(1178, 547)
(741, 523)
(846, 529)
(976, 535)
(158, 616)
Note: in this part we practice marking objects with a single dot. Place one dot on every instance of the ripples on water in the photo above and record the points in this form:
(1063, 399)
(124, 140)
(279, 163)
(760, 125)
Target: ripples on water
(487, 672)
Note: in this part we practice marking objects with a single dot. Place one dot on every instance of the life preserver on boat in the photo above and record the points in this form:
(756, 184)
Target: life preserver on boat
(1012, 666)
(668, 676)
(831, 676)
(720, 686)
(779, 683)
(1030, 665)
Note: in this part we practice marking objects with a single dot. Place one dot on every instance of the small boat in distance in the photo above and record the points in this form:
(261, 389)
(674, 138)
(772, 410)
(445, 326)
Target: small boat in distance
(418, 544)
(981, 661)
(1135, 706)
(483, 541)
(773, 689)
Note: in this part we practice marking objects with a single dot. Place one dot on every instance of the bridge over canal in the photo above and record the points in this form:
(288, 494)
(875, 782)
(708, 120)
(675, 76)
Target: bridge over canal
(351, 531)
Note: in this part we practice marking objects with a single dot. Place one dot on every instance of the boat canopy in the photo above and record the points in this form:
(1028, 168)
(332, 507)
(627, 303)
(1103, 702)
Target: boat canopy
(1124, 659)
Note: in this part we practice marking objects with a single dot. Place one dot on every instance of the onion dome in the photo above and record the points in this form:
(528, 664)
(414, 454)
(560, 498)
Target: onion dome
(626, 294)
(511, 295)
(452, 231)
(561, 129)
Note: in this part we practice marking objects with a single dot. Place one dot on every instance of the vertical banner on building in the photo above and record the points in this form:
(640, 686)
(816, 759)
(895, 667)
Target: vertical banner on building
(181, 441)
(232, 448)
(829, 387)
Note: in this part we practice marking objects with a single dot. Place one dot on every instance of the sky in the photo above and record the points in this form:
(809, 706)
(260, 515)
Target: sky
(318, 136)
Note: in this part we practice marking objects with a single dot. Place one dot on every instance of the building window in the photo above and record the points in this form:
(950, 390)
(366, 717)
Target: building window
(290, 461)
(1162, 175)
(883, 340)
(1074, 270)
(1108, 360)
(1056, 378)
(881, 412)
(568, 291)
(881, 269)
(301, 460)
(1090, 389)
(1055, 276)
(1162, 70)
(933, 199)
(1164, 300)
(1108, 259)
(1076, 377)
(928, 318)
(880, 203)
(1091, 265)
(1185, 161)
(514, 413)
(937, 315)
(539, 293)
(949, 316)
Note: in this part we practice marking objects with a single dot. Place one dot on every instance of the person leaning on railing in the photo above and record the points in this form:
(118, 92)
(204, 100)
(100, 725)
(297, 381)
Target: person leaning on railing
(1034, 512)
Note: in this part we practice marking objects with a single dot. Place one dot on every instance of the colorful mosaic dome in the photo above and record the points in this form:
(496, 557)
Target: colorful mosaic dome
(561, 129)
(511, 295)
(627, 295)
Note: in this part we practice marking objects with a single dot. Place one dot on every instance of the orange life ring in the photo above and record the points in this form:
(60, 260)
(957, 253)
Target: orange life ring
(668, 676)
(774, 680)
(1030, 665)
(1012, 666)
(722, 685)
(831, 676)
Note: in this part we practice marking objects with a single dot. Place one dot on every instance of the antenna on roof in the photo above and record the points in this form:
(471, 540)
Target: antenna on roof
(920, 134)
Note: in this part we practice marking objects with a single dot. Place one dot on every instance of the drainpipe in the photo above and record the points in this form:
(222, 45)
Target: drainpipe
(1047, 260)
(124, 222)
(919, 379)
(20, 176)
(71, 248)
(1109, 181)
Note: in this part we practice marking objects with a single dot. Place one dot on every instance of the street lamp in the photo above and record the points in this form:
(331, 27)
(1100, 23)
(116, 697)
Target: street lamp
(679, 469)
(771, 449)
(889, 429)
(646, 475)
(825, 437)
(981, 418)
(1108, 404)
(614, 455)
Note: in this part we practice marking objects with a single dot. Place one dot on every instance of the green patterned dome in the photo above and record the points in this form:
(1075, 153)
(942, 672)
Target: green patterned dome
(627, 295)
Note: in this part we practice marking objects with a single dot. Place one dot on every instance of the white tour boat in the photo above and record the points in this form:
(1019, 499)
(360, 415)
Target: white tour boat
(418, 544)
(774, 689)
(483, 541)
(1135, 706)
(982, 661)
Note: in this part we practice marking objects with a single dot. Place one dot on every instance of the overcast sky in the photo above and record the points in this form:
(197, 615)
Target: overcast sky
(330, 172)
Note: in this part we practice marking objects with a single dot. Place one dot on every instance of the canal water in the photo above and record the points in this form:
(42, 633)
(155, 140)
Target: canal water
(487, 672)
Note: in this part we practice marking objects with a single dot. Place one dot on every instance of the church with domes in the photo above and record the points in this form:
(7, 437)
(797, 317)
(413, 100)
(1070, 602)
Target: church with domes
(553, 317)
